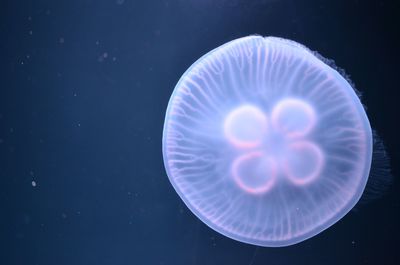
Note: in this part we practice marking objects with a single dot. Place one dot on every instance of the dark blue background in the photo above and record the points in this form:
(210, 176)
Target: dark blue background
(84, 89)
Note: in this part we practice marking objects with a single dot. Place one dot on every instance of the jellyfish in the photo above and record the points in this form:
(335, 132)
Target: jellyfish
(265, 142)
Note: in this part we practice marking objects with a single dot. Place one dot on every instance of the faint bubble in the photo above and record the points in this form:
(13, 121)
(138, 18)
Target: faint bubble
(27, 219)
(61, 40)
(120, 2)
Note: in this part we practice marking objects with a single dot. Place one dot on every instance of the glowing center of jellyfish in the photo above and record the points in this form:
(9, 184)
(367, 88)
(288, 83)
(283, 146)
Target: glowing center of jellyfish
(254, 172)
(293, 117)
(245, 126)
(282, 150)
(303, 163)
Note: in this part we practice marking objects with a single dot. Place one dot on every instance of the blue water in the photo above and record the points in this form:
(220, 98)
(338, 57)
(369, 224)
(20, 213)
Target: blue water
(84, 89)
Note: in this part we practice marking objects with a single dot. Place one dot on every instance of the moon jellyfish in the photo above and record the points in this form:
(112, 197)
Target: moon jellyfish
(265, 142)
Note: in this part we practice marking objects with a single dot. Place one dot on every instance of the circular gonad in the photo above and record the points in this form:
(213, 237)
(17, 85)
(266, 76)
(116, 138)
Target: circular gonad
(265, 143)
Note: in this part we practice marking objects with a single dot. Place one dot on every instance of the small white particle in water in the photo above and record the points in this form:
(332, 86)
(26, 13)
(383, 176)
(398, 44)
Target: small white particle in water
(33, 183)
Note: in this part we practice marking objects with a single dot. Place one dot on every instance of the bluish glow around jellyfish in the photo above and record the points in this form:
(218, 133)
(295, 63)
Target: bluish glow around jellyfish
(265, 143)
